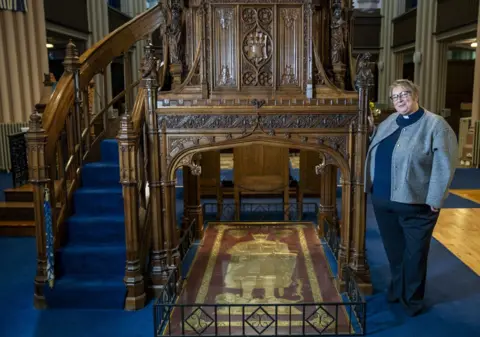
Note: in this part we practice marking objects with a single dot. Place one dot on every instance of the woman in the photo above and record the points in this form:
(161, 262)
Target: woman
(409, 167)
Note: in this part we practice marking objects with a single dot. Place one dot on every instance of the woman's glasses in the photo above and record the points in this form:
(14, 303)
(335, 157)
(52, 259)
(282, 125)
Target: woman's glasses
(402, 95)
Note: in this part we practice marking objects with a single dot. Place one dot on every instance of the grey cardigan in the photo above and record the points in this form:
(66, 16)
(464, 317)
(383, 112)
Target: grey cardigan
(423, 161)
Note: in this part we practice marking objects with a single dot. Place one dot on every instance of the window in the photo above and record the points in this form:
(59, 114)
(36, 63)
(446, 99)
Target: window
(151, 3)
(114, 4)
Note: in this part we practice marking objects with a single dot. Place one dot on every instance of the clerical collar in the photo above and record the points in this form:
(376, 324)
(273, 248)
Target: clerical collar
(410, 119)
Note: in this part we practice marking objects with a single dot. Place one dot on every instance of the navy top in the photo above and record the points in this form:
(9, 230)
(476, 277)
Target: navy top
(382, 178)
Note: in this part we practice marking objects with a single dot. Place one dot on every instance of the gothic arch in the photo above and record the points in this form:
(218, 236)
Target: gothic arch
(185, 157)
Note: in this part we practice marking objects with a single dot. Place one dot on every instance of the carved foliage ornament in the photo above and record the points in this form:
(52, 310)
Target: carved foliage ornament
(189, 160)
(283, 121)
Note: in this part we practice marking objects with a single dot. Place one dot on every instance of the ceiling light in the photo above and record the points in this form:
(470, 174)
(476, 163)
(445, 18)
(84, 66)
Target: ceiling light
(49, 45)
(473, 45)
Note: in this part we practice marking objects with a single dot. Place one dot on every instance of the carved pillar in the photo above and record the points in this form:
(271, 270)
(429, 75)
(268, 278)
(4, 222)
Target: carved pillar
(346, 218)
(357, 253)
(201, 14)
(309, 21)
(168, 190)
(149, 82)
(174, 38)
(339, 43)
(38, 176)
(128, 149)
(328, 189)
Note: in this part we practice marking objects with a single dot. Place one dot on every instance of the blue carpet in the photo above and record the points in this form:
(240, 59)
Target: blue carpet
(466, 178)
(5, 182)
(453, 296)
(91, 266)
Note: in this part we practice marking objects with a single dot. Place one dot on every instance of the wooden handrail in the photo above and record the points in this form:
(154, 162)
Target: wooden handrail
(92, 62)
(138, 111)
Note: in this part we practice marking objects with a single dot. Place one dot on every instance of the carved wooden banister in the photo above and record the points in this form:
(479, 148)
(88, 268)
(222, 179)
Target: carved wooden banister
(71, 133)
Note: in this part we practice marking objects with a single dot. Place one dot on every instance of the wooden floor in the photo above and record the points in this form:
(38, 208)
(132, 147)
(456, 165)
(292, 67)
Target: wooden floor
(473, 195)
(458, 229)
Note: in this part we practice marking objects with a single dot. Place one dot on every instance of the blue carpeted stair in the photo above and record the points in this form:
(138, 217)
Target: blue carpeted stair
(91, 266)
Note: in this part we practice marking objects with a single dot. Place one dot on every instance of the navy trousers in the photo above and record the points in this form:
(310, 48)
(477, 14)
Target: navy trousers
(406, 231)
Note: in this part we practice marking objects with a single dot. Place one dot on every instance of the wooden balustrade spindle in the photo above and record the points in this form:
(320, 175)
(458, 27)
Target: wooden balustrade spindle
(86, 120)
(91, 103)
(105, 100)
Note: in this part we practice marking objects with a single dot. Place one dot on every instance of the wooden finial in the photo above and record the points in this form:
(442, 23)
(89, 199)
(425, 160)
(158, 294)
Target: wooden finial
(71, 58)
(35, 121)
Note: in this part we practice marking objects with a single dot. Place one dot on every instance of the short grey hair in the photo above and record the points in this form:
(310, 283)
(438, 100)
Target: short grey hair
(407, 84)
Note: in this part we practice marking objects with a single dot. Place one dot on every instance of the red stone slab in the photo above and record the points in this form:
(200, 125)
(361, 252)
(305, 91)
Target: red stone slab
(278, 270)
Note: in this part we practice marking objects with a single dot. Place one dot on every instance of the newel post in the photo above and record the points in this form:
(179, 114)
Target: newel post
(128, 149)
(150, 84)
(38, 177)
(358, 264)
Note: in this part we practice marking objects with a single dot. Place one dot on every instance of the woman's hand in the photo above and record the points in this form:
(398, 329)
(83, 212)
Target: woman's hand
(435, 210)
(371, 123)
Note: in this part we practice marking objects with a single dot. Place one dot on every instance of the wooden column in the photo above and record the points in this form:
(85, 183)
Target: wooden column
(346, 220)
(38, 175)
(168, 190)
(357, 253)
(149, 82)
(328, 189)
(129, 174)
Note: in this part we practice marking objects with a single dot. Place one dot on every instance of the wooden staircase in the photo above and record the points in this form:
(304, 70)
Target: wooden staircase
(17, 217)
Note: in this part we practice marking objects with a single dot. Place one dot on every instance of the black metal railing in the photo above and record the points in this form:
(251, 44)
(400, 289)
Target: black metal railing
(355, 297)
(18, 158)
(301, 319)
(331, 231)
(187, 239)
(258, 211)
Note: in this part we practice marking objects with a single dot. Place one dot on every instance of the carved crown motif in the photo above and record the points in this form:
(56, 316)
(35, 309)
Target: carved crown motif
(256, 48)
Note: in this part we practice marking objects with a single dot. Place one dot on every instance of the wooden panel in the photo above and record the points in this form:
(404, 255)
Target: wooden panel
(404, 28)
(225, 46)
(261, 168)
(309, 180)
(210, 177)
(257, 36)
(452, 14)
(289, 46)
